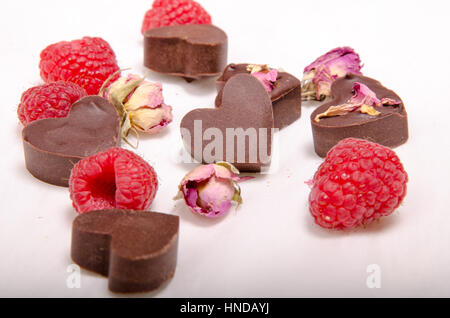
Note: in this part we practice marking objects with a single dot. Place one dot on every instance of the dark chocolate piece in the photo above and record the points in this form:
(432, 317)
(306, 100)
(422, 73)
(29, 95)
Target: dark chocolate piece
(190, 51)
(246, 111)
(137, 250)
(286, 96)
(53, 146)
(390, 128)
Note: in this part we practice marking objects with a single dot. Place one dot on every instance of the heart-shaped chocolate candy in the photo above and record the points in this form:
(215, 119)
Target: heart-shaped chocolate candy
(53, 146)
(190, 51)
(388, 128)
(240, 132)
(286, 95)
(137, 250)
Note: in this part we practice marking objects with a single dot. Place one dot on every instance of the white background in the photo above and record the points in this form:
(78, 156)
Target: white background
(270, 247)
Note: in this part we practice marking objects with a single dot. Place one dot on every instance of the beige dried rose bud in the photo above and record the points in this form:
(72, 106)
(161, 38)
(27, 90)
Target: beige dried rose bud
(140, 104)
(151, 120)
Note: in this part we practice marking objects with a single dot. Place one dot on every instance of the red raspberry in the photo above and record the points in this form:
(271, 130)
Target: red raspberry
(113, 179)
(48, 101)
(87, 62)
(358, 183)
(174, 12)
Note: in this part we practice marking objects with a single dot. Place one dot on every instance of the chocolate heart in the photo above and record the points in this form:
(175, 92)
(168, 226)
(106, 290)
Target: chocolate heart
(53, 146)
(137, 250)
(190, 51)
(240, 132)
(286, 95)
(389, 128)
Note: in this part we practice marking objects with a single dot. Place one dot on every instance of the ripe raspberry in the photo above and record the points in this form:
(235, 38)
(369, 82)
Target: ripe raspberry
(48, 101)
(174, 12)
(87, 62)
(116, 178)
(358, 183)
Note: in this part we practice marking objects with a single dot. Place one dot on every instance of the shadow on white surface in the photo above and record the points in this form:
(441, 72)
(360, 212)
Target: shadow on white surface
(153, 294)
(186, 215)
(378, 227)
(309, 152)
(312, 105)
(70, 213)
(201, 87)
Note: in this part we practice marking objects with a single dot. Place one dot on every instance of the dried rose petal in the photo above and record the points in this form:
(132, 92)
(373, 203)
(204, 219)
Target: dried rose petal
(321, 74)
(264, 74)
(369, 110)
(210, 190)
(390, 102)
(363, 95)
(256, 68)
(337, 111)
(363, 99)
(267, 79)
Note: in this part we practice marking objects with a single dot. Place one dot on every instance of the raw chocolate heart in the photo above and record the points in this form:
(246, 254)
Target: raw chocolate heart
(190, 51)
(53, 146)
(286, 95)
(239, 132)
(137, 250)
(390, 128)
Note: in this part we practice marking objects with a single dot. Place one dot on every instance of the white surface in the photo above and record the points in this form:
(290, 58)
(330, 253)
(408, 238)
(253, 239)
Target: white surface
(270, 246)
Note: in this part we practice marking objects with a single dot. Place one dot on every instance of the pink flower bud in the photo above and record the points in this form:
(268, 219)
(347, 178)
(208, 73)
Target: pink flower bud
(321, 74)
(210, 190)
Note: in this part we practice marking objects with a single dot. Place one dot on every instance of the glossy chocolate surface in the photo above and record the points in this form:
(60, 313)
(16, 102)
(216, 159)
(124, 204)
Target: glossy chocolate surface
(53, 146)
(246, 106)
(137, 250)
(189, 51)
(286, 95)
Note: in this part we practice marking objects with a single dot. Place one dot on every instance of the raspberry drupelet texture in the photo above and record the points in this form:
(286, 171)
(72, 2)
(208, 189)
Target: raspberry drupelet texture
(87, 62)
(51, 100)
(174, 12)
(113, 179)
(358, 183)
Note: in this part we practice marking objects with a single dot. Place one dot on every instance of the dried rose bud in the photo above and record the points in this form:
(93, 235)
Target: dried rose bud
(320, 75)
(210, 190)
(363, 99)
(151, 120)
(264, 74)
(140, 104)
(147, 110)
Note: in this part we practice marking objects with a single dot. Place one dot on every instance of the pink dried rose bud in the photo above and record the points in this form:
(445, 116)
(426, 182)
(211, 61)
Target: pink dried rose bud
(363, 99)
(321, 74)
(264, 74)
(210, 190)
(140, 104)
